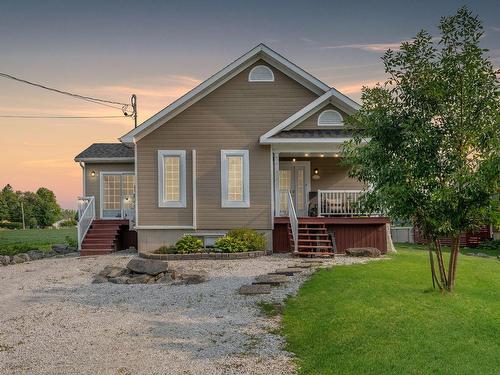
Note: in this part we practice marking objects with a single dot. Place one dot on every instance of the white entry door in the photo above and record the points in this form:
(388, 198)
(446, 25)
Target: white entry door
(117, 195)
(294, 177)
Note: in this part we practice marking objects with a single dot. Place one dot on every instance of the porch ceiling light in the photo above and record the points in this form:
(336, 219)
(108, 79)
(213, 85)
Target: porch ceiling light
(336, 155)
(294, 160)
(322, 155)
(306, 155)
(92, 173)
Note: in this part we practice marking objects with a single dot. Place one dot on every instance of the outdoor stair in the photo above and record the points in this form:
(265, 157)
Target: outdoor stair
(102, 237)
(313, 239)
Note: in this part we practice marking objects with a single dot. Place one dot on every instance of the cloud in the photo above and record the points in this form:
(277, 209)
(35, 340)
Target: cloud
(309, 41)
(355, 87)
(495, 28)
(372, 47)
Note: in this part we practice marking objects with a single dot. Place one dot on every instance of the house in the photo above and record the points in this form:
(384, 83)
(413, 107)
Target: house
(256, 145)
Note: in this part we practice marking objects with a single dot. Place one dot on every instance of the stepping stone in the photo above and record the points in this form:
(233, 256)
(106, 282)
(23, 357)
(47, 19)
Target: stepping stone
(270, 279)
(301, 265)
(253, 289)
(290, 271)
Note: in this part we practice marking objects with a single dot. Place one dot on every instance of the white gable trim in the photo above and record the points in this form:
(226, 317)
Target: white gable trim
(332, 95)
(260, 52)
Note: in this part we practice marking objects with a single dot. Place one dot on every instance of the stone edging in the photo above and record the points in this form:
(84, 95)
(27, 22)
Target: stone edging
(215, 256)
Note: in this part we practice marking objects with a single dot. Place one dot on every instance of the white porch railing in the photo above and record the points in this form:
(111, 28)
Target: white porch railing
(86, 215)
(294, 222)
(339, 202)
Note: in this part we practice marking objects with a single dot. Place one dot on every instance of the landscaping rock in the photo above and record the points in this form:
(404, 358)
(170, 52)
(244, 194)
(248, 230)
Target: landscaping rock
(140, 279)
(119, 280)
(254, 289)
(271, 279)
(17, 259)
(24, 256)
(370, 252)
(35, 254)
(98, 279)
(193, 277)
(60, 248)
(149, 266)
(4, 260)
(50, 254)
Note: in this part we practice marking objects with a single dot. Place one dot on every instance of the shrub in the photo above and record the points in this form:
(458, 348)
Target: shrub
(68, 223)
(229, 244)
(166, 250)
(72, 242)
(11, 225)
(188, 244)
(255, 241)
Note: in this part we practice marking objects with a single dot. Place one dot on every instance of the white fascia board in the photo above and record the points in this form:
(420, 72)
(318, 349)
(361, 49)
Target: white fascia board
(297, 116)
(259, 52)
(106, 160)
(304, 140)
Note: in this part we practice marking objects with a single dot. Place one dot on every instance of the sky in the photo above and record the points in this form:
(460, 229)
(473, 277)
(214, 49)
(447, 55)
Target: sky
(159, 50)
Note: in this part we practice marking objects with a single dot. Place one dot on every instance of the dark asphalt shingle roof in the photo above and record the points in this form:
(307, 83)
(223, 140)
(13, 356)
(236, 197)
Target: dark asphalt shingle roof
(106, 151)
(314, 133)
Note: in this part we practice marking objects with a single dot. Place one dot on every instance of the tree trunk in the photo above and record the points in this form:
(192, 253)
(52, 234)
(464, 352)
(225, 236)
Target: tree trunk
(433, 269)
(452, 266)
(440, 262)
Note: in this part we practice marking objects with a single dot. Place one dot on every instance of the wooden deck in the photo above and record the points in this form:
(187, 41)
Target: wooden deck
(349, 232)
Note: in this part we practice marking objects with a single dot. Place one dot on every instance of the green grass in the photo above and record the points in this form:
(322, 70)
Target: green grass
(463, 250)
(18, 241)
(383, 318)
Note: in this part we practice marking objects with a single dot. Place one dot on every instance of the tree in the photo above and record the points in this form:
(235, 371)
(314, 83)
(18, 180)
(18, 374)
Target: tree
(47, 211)
(427, 140)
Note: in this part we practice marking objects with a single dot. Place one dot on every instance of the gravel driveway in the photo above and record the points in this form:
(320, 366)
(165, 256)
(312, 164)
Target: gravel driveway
(54, 321)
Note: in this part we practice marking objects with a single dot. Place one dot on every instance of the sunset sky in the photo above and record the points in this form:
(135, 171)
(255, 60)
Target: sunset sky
(159, 50)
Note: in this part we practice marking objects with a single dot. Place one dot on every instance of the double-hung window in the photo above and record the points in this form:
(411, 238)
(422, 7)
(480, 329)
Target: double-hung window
(235, 184)
(171, 178)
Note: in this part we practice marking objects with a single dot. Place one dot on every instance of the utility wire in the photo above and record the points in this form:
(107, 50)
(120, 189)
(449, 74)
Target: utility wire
(103, 102)
(55, 117)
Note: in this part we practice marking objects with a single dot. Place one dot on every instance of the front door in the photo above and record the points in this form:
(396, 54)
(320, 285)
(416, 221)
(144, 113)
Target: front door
(294, 177)
(117, 195)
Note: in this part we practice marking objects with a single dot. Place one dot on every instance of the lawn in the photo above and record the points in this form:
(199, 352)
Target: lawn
(382, 318)
(17, 241)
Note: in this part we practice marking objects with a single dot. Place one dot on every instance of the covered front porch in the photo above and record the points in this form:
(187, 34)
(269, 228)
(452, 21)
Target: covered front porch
(316, 210)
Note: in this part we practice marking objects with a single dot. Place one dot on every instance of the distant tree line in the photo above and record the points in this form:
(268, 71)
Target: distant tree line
(40, 208)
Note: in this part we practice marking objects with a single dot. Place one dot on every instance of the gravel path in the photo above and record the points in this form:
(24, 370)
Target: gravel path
(54, 321)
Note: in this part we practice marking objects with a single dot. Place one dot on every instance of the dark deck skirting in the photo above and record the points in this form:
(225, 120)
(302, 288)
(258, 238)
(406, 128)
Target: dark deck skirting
(349, 232)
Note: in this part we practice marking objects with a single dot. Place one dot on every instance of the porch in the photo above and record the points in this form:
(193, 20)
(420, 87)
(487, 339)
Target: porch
(316, 210)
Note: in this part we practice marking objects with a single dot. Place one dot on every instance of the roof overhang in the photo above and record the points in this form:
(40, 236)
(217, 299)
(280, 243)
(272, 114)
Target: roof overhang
(105, 160)
(331, 96)
(260, 52)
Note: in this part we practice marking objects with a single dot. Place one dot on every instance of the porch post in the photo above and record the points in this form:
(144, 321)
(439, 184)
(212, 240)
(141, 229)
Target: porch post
(276, 176)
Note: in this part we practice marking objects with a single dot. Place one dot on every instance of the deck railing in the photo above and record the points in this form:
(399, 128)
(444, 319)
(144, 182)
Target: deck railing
(86, 215)
(339, 202)
(294, 222)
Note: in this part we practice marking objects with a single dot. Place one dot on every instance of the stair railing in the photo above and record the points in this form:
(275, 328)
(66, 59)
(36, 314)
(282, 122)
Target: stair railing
(294, 222)
(86, 215)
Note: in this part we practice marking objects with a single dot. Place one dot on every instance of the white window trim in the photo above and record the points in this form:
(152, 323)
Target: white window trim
(250, 79)
(330, 110)
(225, 203)
(161, 180)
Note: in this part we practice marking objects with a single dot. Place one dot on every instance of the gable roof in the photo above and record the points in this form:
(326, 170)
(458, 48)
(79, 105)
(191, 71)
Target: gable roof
(96, 152)
(331, 96)
(259, 52)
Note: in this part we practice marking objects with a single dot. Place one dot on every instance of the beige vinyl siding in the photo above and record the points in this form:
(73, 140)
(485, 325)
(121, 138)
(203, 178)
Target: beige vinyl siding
(333, 175)
(232, 117)
(92, 184)
(312, 121)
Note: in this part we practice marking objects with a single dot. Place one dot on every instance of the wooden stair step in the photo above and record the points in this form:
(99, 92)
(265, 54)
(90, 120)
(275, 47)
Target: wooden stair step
(310, 240)
(315, 247)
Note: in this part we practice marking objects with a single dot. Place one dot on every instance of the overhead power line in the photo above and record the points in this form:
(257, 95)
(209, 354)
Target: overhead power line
(104, 102)
(55, 117)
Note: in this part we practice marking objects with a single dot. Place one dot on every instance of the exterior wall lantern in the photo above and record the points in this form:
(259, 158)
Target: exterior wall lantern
(92, 173)
(316, 175)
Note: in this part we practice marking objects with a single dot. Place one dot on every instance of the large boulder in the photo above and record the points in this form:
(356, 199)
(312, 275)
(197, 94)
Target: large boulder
(370, 252)
(4, 260)
(17, 259)
(35, 254)
(192, 277)
(151, 267)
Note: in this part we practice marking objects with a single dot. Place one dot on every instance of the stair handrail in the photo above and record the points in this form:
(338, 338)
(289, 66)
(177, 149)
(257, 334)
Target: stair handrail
(86, 215)
(294, 222)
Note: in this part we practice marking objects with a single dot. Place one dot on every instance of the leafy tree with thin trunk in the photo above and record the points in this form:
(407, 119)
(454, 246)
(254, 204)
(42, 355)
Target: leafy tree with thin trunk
(427, 140)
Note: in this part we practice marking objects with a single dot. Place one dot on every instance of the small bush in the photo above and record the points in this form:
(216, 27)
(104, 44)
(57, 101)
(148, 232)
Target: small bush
(489, 245)
(166, 250)
(11, 225)
(68, 223)
(188, 244)
(72, 242)
(229, 244)
(255, 241)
